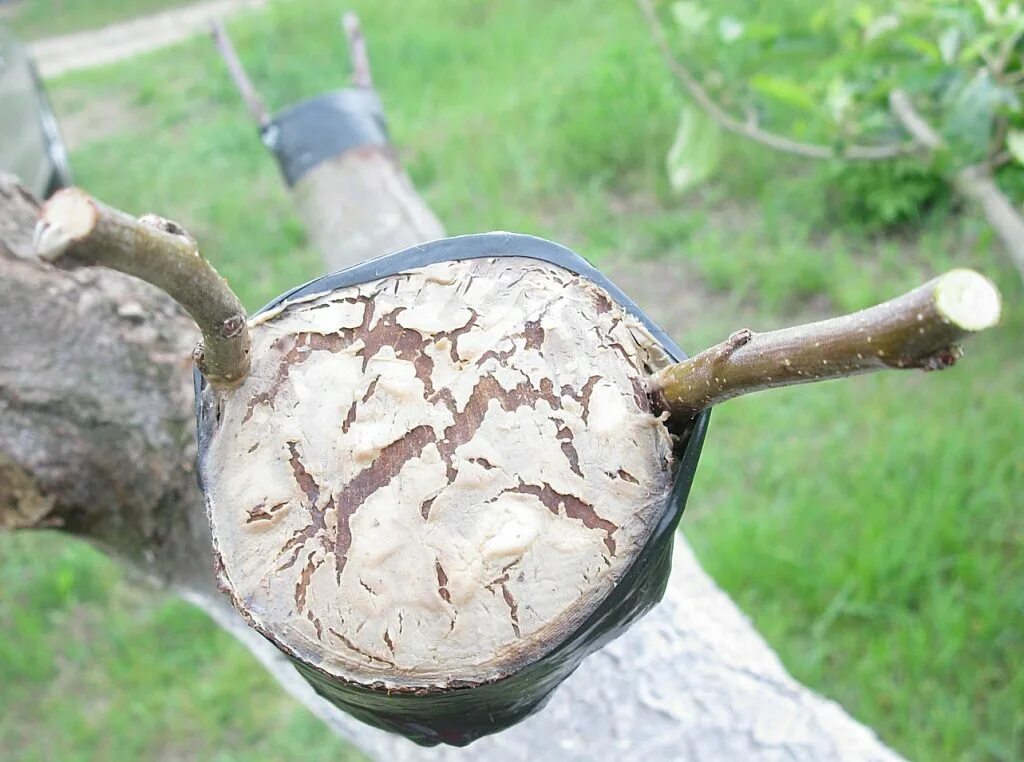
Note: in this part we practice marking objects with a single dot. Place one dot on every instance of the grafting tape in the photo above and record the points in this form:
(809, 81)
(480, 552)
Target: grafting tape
(460, 715)
(321, 128)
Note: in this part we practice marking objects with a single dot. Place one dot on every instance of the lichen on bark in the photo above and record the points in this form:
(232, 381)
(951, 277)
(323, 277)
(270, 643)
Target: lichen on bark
(23, 505)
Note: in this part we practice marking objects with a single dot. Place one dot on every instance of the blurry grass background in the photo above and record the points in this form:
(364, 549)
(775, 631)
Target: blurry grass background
(872, 529)
(32, 19)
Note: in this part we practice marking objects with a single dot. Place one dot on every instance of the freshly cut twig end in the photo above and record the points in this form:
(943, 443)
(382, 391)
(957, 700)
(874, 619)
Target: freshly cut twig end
(968, 300)
(67, 218)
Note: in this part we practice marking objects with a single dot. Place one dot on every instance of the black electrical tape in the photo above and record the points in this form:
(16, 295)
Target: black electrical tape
(324, 127)
(460, 715)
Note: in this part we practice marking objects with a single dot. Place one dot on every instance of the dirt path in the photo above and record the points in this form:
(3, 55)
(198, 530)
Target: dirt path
(95, 47)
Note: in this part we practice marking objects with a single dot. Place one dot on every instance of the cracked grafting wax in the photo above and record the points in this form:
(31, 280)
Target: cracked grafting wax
(430, 480)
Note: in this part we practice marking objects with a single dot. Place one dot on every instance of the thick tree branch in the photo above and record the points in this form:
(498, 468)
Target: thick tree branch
(749, 129)
(158, 251)
(245, 87)
(102, 422)
(919, 329)
(974, 183)
(361, 76)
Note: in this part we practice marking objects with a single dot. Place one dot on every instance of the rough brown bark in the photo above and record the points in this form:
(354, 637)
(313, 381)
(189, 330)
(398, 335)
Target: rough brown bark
(95, 405)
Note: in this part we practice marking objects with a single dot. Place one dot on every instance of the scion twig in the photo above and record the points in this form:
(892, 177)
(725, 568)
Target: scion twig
(227, 51)
(361, 75)
(158, 251)
(920, 329)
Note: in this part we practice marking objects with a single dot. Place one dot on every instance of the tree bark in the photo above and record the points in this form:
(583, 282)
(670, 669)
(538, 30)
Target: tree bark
(96, 437)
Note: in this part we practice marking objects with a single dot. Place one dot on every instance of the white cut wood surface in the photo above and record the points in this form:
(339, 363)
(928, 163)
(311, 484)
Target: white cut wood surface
(422, 482)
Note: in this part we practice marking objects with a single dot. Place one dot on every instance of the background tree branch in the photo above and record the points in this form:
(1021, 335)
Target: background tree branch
(253, 101)
(748, 128)
(974, 183)
(361, 75)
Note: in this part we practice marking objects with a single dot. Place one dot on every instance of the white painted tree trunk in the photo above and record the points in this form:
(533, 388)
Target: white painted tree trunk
(361, 204)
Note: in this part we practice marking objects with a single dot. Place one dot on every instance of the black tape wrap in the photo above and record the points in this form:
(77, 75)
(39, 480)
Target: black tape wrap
(458, 716)
(324, 127)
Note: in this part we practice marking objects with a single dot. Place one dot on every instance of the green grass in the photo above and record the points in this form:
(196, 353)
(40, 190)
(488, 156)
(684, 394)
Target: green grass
(871, 528)
(96, 668)
(33, 19)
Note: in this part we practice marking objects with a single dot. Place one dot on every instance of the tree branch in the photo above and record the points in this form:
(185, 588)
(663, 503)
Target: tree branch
(162, 253)
(913, 122)
(919, 329)
(361, 76)
(975, 182)
(227, 51)
(749, 129)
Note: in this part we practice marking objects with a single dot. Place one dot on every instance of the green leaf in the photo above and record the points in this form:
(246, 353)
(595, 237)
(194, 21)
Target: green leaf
(783, 90)
(1015, 145)
(838, 99)
(949, 45)
(690, 17)
(696, 150)
(970, 114)
(729, 29)
(922, 46)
